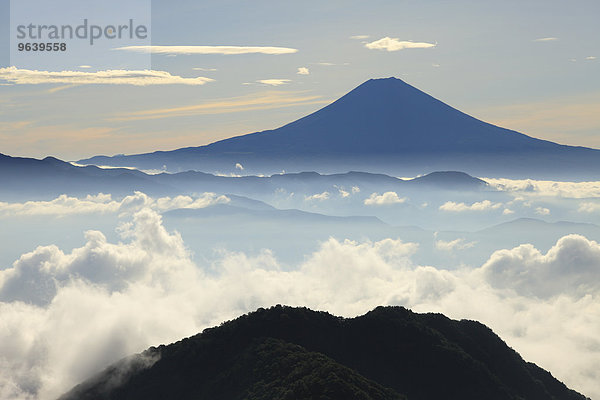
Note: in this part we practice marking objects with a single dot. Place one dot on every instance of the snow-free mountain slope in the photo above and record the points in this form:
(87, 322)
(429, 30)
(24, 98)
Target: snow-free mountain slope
(383, 125)
(383, 116)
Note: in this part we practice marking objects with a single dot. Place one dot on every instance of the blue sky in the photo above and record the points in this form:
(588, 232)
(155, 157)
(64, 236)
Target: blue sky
(530, 66)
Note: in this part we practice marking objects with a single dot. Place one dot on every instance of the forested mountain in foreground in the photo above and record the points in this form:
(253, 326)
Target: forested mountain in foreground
(295, 353)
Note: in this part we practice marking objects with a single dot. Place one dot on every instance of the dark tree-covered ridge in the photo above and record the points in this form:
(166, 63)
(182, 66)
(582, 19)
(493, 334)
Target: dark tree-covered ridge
(296, 353)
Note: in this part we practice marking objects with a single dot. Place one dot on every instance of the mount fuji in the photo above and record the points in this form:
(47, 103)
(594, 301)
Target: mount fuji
(386, 126)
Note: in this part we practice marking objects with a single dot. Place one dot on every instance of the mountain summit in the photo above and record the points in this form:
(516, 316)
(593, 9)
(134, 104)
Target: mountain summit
(383, 117)
(389, 353)
(383, 125)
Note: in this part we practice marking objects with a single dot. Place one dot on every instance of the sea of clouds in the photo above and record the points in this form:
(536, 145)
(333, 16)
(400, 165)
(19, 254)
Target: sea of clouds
(65, 315)
(104, 203)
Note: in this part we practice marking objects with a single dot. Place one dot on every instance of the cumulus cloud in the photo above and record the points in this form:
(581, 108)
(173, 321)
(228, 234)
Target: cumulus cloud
(571, 266)
(102, 301)
(484, 205)
(318, 197)
(225, 50)
(542, 211)
(395, 44)
(344, 193)
(522, 187)
(110, 77)
(451, 245)
(239, 166)
(107, 265)
(74, 311)
(303, 71)
(589, 207)
(274, 82)
(104, 203)
(387, 198)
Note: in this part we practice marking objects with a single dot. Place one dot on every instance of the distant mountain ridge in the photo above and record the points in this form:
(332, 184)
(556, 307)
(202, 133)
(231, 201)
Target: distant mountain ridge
(51, 176)
(295, 353)
(383, 125)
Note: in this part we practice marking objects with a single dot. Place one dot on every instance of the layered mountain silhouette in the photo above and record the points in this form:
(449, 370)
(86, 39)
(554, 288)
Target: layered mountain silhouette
(296, 353)
(384, 125)
(31, 178)
(51, 177)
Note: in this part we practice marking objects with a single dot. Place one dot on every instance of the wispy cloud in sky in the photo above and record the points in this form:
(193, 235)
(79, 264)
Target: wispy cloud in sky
(263, 101)
(226, 50)
(546, 39)
(303, 71)
(331, 64)
(359, 37)
(395, 44)
(112, 77)
(6, 127)
(274, 82)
